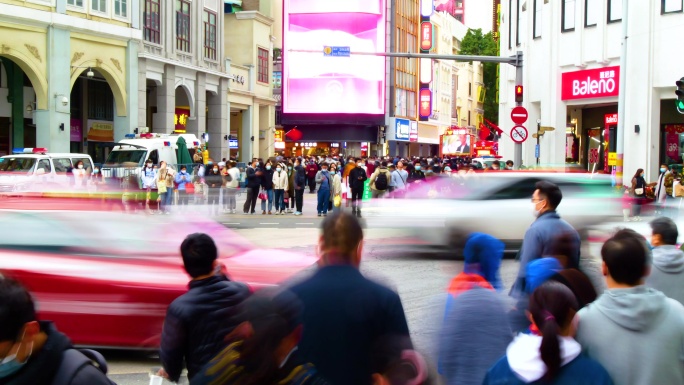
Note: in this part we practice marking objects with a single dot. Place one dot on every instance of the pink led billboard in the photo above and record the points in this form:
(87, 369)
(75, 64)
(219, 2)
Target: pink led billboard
(317, 84)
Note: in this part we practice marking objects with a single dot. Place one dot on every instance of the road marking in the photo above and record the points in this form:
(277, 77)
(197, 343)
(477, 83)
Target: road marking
(231, 223)
(269, 223)
(310, 223)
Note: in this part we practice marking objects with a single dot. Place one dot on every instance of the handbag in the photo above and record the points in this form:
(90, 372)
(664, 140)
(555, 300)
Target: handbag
(286, 195)
(337, 201)
(161, 186)
(189, 188)
(639, 191)
(262, 195)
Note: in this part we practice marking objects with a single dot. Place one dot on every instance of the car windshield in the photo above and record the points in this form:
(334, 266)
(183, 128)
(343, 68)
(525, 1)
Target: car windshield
(126, 156)
(18, 165)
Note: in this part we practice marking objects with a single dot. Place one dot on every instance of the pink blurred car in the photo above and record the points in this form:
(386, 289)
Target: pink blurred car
(106, 278)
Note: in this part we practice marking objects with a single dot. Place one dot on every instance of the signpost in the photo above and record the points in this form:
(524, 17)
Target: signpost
(519, 115)
(336, 51)
(536, 152)
(519, 134)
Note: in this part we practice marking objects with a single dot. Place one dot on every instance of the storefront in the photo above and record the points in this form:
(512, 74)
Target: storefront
(399, 135)
(307, 149)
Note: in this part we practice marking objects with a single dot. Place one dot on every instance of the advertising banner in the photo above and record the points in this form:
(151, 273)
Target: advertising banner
(402, 129)
(594, 83)
(318, 83)
(180, 119)
(100, 131)
(367, 195)
(456, 141)
(672, 145)
(76, 133)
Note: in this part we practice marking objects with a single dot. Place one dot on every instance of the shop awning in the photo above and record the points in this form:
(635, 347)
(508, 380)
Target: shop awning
(233, 2)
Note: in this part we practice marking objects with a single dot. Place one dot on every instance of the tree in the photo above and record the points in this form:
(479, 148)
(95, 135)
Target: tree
(476, 43)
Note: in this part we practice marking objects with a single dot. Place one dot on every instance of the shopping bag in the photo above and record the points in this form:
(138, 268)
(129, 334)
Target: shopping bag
(337, 201)
(262, 196)
(161, 187)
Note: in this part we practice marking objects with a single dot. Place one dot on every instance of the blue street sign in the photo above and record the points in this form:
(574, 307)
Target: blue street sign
(233, 143)
(536, 151)
(336, 51)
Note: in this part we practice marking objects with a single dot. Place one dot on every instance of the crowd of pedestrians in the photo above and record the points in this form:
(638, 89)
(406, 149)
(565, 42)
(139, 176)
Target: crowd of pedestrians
(337, 327)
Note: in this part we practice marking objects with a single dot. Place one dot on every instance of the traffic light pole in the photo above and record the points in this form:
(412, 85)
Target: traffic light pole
(517, 150)
(620, 137)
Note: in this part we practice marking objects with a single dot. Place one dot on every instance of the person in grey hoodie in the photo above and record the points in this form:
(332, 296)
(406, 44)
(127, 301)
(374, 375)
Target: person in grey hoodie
(667, 274)
(634, 331)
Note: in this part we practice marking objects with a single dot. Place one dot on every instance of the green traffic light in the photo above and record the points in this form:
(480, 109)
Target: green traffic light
(680, 106)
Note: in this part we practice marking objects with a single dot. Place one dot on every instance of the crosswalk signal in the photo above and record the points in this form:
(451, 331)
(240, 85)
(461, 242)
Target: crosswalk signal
(680, 95)
(519, 93)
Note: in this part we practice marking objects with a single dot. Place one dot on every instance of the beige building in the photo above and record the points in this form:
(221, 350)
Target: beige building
(441, 74)
(249, 44)
(467, 107)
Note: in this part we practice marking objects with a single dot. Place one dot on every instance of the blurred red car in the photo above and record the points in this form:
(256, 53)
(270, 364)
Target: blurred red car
(106, 278)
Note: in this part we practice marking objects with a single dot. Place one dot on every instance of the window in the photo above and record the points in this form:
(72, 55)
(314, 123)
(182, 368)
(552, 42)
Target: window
(121, 8)
(510, 23)
(99, 5)
(671, 6)
(45, 165)
(183, 25)
(61, 164)
(568, 16)
(470, 89)
(100, 101)
(75, 3)
(517, 23)
(263, 65)
(209, 35)
(537, 25)
(591, 12)
(151, 20)
(614, 10)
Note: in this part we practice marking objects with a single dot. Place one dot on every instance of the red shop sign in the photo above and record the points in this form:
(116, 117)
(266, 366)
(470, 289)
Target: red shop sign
(610, 119)
(674, 128)
(426, 36)
(425, 103)
(594, 83)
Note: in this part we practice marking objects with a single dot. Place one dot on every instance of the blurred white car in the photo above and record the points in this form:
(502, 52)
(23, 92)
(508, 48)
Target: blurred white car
(497, 203)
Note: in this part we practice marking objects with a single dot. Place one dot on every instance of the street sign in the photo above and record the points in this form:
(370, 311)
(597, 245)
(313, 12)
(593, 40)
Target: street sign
(519, 115)
(612, 158)
(336, 51)
(536, 151)
(519, 134)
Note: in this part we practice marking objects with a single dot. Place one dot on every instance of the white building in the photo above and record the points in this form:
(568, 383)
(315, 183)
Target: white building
(571, 75)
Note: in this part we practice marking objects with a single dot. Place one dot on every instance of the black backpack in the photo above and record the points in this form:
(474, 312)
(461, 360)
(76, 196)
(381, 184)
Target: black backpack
(74, 360)
(381, 181)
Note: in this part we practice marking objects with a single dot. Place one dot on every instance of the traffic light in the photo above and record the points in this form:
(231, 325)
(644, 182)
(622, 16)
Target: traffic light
(519, 93)
(680, 95)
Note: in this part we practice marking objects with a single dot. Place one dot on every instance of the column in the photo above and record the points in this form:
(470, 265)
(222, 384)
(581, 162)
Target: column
(256, 119)
(266, 146)
(197, 123)
(217, 125)
(246, 132)
(166, 100)
(142, 94)
(52, 125)
(15, 83)
(125, 124)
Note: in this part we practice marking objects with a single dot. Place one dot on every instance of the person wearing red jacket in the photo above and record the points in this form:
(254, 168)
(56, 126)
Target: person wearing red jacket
(311, 171)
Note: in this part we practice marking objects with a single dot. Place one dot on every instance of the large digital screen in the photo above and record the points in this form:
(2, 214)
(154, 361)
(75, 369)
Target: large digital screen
(336, 79)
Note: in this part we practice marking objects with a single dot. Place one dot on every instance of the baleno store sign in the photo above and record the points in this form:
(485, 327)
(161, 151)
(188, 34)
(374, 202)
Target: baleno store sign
(594, 83)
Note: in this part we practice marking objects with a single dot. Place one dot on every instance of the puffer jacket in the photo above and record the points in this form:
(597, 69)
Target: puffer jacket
(197, 322)
(280, 180)
(149, 176)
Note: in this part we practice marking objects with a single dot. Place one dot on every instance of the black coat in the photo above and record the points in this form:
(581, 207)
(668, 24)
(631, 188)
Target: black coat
(267, 179)
(357, 176)
(253, 180)
(300, 177)
(214, 180)
(345, 314)
(197, 322)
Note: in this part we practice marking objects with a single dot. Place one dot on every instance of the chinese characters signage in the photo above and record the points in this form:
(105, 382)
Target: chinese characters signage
(100, 131)
(426, 36)
(594, 83)
(425, 103)
(180, 119)
(76, 134)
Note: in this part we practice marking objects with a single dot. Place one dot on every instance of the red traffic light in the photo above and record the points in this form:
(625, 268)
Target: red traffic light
(518, 94)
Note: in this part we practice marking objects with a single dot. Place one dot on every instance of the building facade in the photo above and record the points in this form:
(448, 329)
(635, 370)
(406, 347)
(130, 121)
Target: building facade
(67, 73)
(571, 82)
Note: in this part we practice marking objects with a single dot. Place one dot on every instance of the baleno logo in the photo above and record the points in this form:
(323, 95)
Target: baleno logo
(592, 87)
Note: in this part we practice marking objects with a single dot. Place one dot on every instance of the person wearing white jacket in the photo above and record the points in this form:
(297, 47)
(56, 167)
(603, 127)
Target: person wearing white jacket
(280, 184)
(232, 182)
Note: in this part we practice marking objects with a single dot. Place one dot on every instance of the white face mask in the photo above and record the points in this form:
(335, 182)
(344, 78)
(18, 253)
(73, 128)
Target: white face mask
(279, 169)
(536, 212)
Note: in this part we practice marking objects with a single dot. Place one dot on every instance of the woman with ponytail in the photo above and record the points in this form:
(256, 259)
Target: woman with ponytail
(549, 355)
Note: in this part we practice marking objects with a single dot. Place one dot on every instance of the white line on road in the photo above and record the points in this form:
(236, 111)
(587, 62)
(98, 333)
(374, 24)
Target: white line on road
(309, 223)
(231, 223)
(269, 223)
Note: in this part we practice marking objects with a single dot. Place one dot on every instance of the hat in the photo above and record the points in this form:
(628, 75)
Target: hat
(539, 271)
(484, 252)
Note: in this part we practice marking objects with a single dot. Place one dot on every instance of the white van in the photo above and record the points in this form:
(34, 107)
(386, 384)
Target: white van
(129, 155)
(35, 169)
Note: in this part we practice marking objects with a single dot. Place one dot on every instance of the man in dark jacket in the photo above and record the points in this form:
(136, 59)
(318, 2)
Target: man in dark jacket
(33, 352)
(345, 314)
(198, 321)
(357, 177)
(253, 176)
(300, 185)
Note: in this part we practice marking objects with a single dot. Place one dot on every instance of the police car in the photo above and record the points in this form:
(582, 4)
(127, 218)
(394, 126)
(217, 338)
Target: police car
(35, 169)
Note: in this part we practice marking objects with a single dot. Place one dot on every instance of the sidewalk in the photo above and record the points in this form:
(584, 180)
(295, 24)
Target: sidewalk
(308, 208)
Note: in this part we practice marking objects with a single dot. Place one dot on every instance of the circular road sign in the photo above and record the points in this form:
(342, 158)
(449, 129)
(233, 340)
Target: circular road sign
(519, 134)
(519, 115)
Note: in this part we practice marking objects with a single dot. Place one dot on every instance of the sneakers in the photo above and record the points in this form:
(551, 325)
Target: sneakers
(319, 214)
(270, 213)
(298, 213)
(325, 214)
(263, 212)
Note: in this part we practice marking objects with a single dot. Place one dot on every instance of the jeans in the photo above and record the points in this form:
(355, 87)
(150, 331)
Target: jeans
(299, 199)
(323, 200)
(312, 184)
(229, 201)
(162, 201)
(356, 194)
(214, 199)
(279, 196)
(169, 198)
(269, 195)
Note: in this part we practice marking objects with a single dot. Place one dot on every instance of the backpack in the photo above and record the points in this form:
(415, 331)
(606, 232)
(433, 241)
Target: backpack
(381, 182)
(74, 360)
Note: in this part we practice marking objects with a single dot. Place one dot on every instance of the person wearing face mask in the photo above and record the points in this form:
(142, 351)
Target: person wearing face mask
(280, 185)
(416, 176)
(541, 234)
(300, 185)
(182, 180)
(336, 187)
(357, 178)
(253, 176)
(267, 187)
(664, 181)
(290, 187)
(638, 191)
(149, 181)
(214, 181)
(35, 352)
(324, 183)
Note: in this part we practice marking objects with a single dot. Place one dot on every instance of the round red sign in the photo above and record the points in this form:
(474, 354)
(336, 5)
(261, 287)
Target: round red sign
(519, 134)
(519, 115)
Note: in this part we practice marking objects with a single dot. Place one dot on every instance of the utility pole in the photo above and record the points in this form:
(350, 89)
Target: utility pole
(517, 151)
(620, 137)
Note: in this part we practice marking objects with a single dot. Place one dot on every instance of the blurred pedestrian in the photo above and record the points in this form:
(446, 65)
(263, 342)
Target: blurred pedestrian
(550, 354)
(311, 171)
(336, 188)
(394, 362)
(357, 179)
(165, 192)
(509, 165)
(417, 176)
(324, 184)
(399, 180)
(34, 352)
(290, 198)
(638, 191)
(280, 185)
(665, 180)
(232, 183)
(380, 180)
(548, 224)
(300, 185)
(634, 331)
(475, 331)
(197, 322)
(253, 176)
(267, 188)
(667, 272)
(344, 312)
(183, 179)
(214, 181)
(262, 350)
(148, 176)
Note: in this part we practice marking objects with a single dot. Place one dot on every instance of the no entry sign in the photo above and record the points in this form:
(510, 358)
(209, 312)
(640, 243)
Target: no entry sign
(519, 134)
(519, 115)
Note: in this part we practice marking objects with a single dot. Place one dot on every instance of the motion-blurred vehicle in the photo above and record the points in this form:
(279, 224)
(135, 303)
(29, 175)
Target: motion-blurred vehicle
(497, 203)
(36, 169)
(106, 278)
